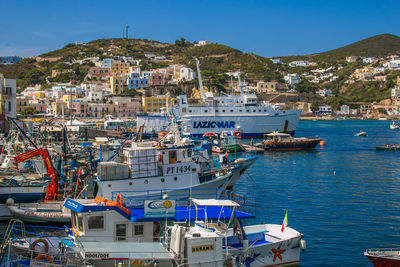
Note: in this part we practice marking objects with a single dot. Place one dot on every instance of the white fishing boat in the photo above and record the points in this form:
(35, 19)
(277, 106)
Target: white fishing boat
(361, 133)
(225, 113)
(168, 165)
(160, 232)
(394, 125)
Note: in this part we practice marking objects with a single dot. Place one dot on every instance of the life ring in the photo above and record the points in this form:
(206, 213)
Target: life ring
(48, 258)
(40, 240)
(156, 232)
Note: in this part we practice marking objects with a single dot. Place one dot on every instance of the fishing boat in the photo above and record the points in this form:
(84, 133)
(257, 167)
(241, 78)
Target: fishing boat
(285, 142)
(167, 164)
(156, 232)
(384, 257)
(361, 133)
(224, 113)
(388, 147)
(394, 125)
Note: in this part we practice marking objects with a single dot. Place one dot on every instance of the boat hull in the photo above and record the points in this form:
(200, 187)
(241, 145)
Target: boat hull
(251, 126)
(291, 146)
(384, 258)
(52, 212)
(273, 249)
(21, 194)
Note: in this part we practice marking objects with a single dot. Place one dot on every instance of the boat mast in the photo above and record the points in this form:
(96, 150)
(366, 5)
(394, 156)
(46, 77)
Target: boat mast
(200, 80)
(240, 84)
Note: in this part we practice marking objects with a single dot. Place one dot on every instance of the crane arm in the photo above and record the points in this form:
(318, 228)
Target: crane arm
(52, 188)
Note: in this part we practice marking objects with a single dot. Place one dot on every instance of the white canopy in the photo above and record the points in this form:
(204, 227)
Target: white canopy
(215, 202)
(74, 123)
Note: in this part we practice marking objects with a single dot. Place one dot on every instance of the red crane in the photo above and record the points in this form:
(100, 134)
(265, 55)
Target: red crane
(52, 188)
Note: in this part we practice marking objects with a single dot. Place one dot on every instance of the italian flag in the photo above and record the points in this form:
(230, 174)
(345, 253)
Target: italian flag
(285, 222)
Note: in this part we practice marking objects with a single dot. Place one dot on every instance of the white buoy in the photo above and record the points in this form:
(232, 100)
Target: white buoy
(9, 202)
(334, 172)
(303, 244)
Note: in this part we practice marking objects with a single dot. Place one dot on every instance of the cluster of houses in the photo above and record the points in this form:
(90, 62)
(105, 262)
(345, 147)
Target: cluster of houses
(376, 69)
(122, 76)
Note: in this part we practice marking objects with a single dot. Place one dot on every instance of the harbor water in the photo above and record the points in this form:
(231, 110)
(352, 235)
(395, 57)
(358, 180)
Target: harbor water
(344, 197)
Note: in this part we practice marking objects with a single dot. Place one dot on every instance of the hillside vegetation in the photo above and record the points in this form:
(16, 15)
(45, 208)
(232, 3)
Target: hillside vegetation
(215, 60)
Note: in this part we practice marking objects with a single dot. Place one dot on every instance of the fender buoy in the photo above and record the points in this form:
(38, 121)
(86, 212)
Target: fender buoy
(156, 232)
(42, 256)
(40, 240)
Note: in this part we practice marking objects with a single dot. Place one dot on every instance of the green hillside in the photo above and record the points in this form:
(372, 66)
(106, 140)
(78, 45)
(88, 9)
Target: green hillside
(215, 58)
(375, 46)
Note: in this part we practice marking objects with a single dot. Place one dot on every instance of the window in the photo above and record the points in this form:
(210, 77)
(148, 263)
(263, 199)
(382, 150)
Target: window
(205, 110)
(216, 110)
(120, 231)
(95, 222)
(138, 229)
(223, 110)
(240, 110)
(231, 110)
(190, 111)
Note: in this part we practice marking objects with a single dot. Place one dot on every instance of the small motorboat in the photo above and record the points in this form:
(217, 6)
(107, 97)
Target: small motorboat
(361, 133)
(382, 119)
(285, 142)
(387, 147)
(384, 257)
(394, 125)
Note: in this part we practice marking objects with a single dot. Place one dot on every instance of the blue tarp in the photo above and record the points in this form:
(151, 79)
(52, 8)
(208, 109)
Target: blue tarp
(181, 214)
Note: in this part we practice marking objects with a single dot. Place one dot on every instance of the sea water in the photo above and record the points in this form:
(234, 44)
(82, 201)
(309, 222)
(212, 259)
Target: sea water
(344, 197)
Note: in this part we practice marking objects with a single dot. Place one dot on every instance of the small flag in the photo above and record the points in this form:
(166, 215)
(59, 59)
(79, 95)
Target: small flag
(285, 222)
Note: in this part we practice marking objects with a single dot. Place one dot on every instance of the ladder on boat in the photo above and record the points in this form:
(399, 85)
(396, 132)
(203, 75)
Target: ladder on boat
(7, 234)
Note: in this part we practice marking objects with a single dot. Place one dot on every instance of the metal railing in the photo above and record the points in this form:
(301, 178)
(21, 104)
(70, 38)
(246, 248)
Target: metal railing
(136, 199)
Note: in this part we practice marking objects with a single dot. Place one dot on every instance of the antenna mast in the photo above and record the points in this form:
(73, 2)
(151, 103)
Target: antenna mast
(126, 27)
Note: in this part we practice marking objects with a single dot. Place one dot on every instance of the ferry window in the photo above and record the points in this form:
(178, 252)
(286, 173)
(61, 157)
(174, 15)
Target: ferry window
(120, 231)
(189, 152)
(248, 110)
(265, 110)
(95, 222)
(254, 110)
(216, 110)
(190, 111)
(259, 110)
(205, 110)
(240, 110)
(231, 110)
(138, 229)
(223, 110)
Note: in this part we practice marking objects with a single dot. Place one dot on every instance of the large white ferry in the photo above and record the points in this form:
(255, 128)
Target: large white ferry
(225, 113)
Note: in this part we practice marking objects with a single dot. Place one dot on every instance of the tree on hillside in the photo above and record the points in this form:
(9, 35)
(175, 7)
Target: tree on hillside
(314, 106)
(182, 42)
(35, 76)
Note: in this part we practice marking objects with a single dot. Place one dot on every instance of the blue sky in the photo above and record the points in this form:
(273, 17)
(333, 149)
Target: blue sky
(268, 28)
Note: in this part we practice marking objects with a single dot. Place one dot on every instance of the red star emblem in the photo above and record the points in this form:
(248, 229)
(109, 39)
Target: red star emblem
(278, 252)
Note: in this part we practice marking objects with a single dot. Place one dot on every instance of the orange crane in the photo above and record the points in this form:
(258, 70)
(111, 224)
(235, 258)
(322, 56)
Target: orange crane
(52, 188)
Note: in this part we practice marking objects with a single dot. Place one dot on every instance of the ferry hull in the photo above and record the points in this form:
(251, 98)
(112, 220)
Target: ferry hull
(251, 126)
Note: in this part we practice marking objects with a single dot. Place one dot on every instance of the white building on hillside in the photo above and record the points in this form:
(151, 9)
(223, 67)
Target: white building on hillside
(202, 43)
(187, 74)
(299, 63)
(325, 93)
(292, 79)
